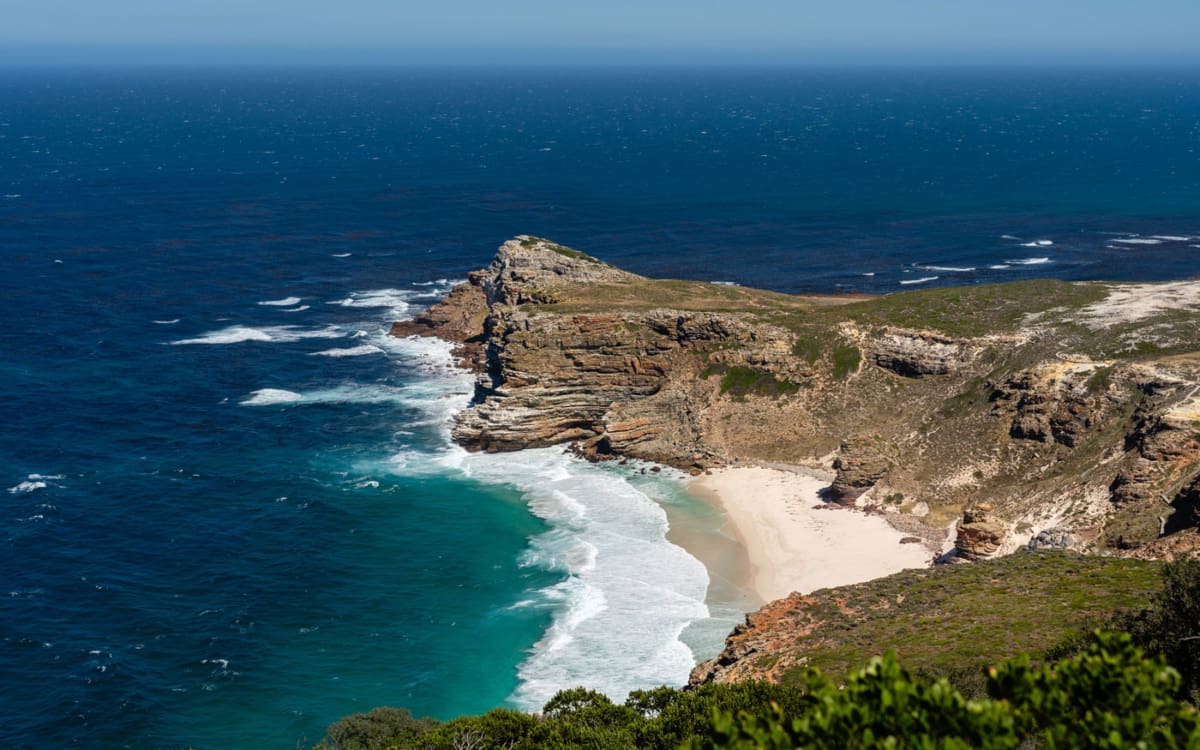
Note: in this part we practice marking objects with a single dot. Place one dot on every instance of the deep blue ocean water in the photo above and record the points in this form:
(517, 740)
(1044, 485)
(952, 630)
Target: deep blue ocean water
(230, 513)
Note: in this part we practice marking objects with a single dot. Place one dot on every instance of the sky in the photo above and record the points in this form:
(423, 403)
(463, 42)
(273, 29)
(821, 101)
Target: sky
(602, 32)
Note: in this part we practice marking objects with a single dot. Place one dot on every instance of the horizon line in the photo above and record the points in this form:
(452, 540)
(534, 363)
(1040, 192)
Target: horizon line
(214, 55)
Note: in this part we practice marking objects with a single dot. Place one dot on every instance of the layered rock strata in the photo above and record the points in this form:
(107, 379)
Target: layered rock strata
(1035, 421)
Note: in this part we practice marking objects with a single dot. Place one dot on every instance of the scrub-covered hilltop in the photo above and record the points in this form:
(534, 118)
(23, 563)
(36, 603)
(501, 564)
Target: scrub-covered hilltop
(1063, 413)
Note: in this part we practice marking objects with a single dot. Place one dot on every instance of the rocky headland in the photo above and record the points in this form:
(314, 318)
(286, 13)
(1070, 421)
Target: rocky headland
(1039, 414)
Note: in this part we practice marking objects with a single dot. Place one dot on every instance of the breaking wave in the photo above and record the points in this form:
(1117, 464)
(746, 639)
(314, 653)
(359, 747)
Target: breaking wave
(275, 334)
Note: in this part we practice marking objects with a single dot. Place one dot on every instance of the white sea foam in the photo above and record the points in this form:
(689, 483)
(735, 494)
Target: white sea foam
(275, 334)
(999, 266)
(1038, 243)
(301, 308)
(396, 301)
(922, 280)
(725, 283)
(1170, 238)
(340, 255)
(1028, 261)
(869, 273)
(1139, 240)
(344, 394)
(271, 396)
(10, 196)
(285, 302)
(628, 593)
(354, 351)
(1009, 237)
(429, 355)
(26, 487)
(33, 483)
(170, 322)
(949, 269)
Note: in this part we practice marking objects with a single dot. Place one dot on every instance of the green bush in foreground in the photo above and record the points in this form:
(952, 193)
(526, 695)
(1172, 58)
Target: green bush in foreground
(1109, 696)
(1170, 626)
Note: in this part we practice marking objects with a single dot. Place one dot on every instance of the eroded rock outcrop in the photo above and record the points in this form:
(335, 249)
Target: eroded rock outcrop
(916, 354)
(1059, 402)
(1053, 539)
(981, 534)
(1044, 425)
(458, 318)
(528, 270)
(861, 462)
(778, 630)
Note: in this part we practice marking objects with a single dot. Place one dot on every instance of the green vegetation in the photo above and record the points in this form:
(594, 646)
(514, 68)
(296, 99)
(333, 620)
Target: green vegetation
(954, 620)
(812, 346)
(1170, 626)
(1091, 690)
(975, 310)
(809, 346)
(641, 295)
(570, 252)
(739, 381)
(1108, 696)
(1099, 380)
(846, 359)
(959, 311)
(378, 728)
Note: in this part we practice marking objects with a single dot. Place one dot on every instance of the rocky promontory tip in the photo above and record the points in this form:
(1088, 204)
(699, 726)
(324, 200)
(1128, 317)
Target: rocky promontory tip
(1071, 419)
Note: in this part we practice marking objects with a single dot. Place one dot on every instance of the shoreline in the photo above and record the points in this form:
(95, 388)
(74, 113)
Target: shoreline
(794, 540)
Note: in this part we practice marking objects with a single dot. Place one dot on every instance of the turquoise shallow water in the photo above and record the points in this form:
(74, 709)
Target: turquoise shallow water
(229, 513)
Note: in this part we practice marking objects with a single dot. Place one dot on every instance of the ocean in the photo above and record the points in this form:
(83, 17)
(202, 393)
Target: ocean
(231, 512)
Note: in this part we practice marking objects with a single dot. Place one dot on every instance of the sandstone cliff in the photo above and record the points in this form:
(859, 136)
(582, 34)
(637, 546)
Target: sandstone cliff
(1041, 414)
(1059, 414)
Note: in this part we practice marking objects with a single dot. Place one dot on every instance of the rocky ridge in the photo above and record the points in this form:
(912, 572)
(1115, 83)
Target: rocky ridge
(996, 412)
(1036, 414)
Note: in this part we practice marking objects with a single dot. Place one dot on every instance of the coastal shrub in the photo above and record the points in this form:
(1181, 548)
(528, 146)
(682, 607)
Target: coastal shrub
(1170, 626)
(739, 381)
(1100, 379)
(569, 252)
(378, 729)
(500, 727)
(975, 310)
(808, 347)
(846, 359)
(1111, 696)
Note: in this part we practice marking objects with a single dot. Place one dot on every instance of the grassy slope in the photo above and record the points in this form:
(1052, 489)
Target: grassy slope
(962, 617)
(959, 311)
(954, 311)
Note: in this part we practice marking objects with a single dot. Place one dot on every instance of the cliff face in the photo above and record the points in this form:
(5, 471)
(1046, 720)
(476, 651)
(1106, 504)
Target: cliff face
(1066, 415)
(1041, 414)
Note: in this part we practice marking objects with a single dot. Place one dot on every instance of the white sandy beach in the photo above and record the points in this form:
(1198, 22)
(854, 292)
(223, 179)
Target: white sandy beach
(794, 546)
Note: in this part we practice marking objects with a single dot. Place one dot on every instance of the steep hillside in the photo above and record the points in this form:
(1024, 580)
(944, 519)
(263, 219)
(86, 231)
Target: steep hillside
(953, 618)
(1066, 414)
